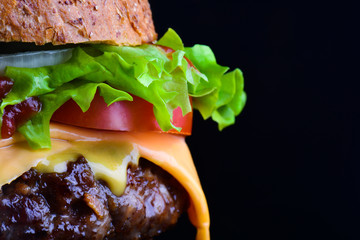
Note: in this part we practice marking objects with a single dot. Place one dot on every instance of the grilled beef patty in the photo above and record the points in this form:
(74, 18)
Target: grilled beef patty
(73, 205)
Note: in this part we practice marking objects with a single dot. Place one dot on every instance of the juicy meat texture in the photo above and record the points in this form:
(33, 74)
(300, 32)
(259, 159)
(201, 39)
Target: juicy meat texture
(73, 205)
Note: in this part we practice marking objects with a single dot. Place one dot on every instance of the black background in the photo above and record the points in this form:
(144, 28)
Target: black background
(289, 168)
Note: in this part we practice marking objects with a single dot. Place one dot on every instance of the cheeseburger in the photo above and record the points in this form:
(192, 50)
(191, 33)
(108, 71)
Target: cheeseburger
(94, 112)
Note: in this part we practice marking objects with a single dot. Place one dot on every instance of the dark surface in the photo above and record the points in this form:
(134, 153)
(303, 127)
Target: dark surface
(290, 167)
(73, 205)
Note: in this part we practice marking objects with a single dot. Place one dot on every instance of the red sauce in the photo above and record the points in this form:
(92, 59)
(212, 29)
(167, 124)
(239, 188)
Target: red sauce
(5, 86)
(16, 115)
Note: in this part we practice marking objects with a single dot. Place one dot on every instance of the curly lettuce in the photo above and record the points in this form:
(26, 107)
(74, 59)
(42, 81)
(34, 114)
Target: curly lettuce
(118, 72)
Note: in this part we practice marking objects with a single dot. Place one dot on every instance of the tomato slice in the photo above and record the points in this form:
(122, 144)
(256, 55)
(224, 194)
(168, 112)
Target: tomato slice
(137, 115)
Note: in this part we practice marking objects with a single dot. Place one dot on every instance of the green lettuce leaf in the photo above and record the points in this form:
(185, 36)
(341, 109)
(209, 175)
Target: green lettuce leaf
(119, 71)
(223, 97)
(172, 40)
(37, 129)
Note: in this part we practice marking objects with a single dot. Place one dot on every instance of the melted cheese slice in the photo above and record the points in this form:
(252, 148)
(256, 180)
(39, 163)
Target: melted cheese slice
(170, 152)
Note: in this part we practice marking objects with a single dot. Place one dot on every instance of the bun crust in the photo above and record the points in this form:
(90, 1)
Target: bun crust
(119, 22)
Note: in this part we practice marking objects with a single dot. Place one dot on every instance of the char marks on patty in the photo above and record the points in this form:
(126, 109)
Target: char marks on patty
(73, 205)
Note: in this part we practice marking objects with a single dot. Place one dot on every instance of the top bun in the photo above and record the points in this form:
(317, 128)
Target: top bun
(118, 22)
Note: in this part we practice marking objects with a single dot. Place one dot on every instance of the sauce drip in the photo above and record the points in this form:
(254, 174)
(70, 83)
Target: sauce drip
(18, 114)
(5, 86)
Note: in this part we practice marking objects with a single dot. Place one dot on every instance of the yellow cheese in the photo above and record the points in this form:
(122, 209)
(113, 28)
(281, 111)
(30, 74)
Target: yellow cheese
(107, 160)
(17, 158)
(170, 152)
